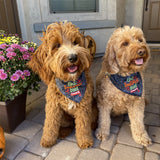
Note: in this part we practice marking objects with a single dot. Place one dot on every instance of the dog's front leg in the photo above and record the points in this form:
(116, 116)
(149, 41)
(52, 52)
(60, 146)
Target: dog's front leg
(104, 122)
(83, 127)
(136, 115)
(52, 124)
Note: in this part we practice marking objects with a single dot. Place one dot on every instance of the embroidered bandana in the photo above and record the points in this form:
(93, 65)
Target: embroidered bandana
(73, 90)
(130, 84)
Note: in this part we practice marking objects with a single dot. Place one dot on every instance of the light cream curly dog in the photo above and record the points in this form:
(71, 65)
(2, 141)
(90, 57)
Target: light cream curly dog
(120, 83)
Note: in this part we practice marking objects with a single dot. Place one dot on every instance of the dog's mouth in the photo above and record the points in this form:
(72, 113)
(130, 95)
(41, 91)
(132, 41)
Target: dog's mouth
(138, 62)
(72, 69)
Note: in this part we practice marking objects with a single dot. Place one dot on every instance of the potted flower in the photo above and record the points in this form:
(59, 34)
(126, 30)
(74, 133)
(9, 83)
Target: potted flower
(15, 79)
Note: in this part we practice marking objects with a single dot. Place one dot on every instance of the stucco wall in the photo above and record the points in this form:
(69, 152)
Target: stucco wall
(130, 12)
(121, 11)
(134, 13)
(37, 11)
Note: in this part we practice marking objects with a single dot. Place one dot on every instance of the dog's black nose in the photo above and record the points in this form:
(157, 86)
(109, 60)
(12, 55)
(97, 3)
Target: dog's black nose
(72, 58)
(141, 51)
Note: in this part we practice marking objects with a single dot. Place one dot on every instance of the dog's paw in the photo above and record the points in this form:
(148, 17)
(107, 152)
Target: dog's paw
(101, 134)
(143, 139)
(86, 143)
(47, 144)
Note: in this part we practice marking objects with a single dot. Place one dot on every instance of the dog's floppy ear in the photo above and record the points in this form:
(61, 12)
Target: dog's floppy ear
(91, 45)
(110, 61)
(38, 63)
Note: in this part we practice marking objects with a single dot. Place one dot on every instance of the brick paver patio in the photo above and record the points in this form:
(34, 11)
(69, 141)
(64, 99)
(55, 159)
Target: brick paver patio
(24, 142)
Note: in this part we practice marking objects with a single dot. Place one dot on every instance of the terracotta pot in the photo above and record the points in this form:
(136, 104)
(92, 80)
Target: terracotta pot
(2, 143)
(12, 113)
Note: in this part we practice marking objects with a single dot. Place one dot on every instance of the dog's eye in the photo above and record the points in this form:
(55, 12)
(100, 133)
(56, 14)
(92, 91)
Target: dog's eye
(140, 40)
(56, 46)
(75, 43)
(125, 43)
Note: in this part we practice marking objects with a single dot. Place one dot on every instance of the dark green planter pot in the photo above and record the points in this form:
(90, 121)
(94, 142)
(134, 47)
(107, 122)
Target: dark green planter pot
(12, 113)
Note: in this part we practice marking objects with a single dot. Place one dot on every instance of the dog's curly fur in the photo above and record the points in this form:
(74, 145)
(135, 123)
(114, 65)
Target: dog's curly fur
(51, 61)
(124, 47)
(2, 142)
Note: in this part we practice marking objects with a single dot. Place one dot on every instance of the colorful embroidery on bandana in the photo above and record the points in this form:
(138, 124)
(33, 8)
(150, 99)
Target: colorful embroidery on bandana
(130, 84)
(73, 90)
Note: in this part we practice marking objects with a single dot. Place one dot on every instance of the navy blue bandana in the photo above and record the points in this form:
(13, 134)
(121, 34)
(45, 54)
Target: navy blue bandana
(130, 84)
(73, 90)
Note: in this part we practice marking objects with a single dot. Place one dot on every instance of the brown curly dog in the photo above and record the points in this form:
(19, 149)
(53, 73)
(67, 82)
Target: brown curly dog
(120, 83)
(62, 62)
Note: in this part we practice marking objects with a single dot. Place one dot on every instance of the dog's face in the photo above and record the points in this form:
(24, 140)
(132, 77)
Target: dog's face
(64, 53)
(127, 51)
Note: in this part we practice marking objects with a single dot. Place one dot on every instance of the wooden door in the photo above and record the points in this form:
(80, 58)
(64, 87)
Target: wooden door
(151, 20)
(9, 21)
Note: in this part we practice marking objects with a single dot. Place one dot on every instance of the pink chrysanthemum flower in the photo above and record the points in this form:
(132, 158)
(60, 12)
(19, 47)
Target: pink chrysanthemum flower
(3, 76)
(3, 46)
(14, 54)
(23, 42)
(2, 58)
(19, 72)
(23, 77)
(1, 52)
(9, 55)
(1, 70)
(23, 49)
(31, 49)
(17, 46)
(10, 49)
(14, 77)
(26, 73)
(26, 56)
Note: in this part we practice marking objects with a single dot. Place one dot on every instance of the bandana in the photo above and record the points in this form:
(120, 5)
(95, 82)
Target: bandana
(130, 84)
(73, 90)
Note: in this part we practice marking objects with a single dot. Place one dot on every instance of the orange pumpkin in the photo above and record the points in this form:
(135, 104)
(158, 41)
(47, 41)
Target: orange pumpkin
(2, 143)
